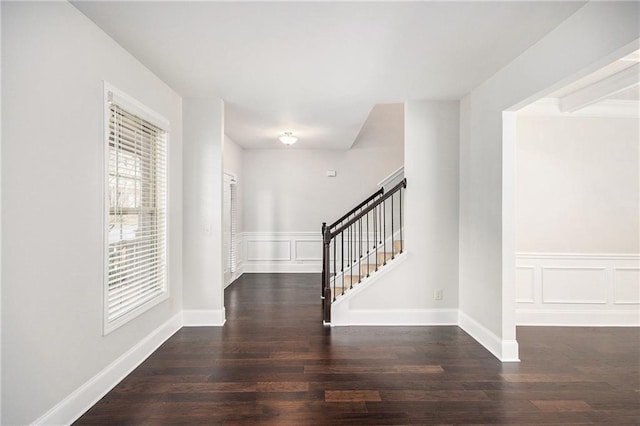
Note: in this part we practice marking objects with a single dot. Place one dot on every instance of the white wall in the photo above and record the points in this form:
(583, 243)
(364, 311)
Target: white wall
(577, 220)
(54, 63)
(287, 194)
(578, 185)
(594, 32)
(405, 295)
(288, 190)
(233, 154)
(0, 213)
(203, 179)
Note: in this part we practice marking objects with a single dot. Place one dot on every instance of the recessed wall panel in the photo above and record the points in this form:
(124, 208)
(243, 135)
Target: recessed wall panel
(627, 285)
(308, 249)
(574, 285)
(525, 284)
(268, 250)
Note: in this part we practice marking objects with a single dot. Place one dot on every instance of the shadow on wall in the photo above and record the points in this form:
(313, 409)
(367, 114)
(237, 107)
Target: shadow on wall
(384, 126)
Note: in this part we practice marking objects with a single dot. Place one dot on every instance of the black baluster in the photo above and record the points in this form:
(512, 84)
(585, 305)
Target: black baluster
(368, 247)
(375, 226)
(324, 272)
(393, 247)
(349, 247)
(375, 233)
(335, 269)
(360, 250)
(401, 239)
(354, 256)
(341, 266)
(380, 215)
(384, 231)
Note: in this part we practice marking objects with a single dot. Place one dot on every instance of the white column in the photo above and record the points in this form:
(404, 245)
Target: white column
(203, 299)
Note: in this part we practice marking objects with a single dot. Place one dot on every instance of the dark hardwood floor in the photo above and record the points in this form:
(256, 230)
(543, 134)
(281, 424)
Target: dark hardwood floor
(273, 362)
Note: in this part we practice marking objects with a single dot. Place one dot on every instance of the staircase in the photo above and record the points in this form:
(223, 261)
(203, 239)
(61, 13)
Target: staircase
(360, 243)
(353, 278)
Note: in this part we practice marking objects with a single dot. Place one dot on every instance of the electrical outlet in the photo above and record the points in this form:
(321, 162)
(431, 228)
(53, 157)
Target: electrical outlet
(437, 295)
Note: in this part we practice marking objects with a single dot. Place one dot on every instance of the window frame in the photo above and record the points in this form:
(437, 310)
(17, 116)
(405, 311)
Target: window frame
(132, 106)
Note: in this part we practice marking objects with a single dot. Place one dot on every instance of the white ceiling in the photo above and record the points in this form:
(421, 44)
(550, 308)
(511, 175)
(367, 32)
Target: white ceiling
(318, 68)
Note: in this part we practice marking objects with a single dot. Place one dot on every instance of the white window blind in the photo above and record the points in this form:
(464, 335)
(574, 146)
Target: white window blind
(233, 257)
(137, 213)
(230, 225)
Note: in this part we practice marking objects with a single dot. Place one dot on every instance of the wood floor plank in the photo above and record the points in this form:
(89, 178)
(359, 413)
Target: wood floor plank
(424, 395)
(390, 369)
(562, 405)
(274, 363)
(282, 387)
(351, 395)
(551, 378)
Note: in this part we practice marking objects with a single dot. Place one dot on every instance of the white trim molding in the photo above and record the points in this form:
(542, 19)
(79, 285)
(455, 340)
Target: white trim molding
(394, 178)
(282, 252)
(601, 89)
(504, 350)
(203, 318)
(578, 289)
(399, 317)
(582, 318)
(79, 401)
(615, 108)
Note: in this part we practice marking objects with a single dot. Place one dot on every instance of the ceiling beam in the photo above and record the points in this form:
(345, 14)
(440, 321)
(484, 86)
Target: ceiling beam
(618, 82)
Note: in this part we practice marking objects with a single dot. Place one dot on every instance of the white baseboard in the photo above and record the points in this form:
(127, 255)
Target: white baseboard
(504, 350)
(406, 317)
(79, 401)
(203, 318)
(578, 318)
(283, 268)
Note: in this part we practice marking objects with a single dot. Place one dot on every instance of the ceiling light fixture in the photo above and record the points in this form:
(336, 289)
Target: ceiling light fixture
(287, 138)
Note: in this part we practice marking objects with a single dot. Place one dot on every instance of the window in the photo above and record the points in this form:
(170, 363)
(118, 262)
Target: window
(230, 226)
(136, 209)
(233, 258)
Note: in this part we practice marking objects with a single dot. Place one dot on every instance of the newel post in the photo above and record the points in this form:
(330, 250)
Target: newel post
(326, 272)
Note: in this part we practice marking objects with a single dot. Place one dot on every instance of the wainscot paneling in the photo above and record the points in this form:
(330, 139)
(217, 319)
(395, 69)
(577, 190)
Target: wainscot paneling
(282, 252)
(598, 289)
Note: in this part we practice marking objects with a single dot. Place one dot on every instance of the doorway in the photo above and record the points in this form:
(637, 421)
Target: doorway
(575, 201)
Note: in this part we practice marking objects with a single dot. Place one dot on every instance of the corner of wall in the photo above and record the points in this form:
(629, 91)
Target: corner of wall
(203, 142)
(504, 350)
(203, 318)
(79, 401)
(1, 213)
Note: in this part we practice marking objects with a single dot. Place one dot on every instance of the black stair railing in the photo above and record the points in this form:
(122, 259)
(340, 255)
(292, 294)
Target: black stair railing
(354, 211)
(357, 240)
